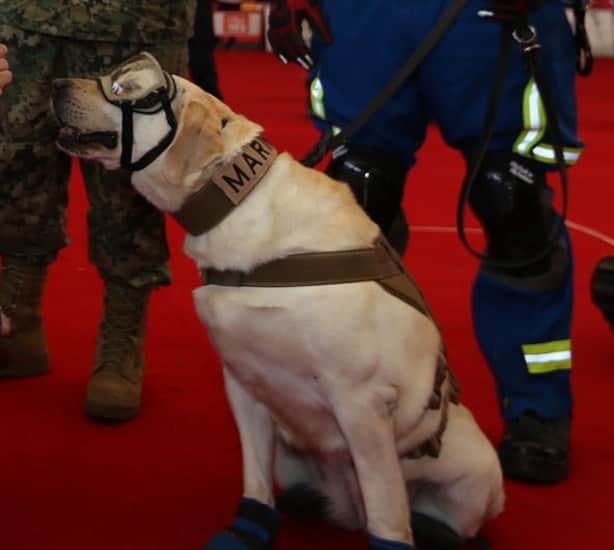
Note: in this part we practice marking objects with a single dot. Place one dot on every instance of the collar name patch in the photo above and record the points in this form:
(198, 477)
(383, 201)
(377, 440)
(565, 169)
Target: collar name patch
(239, 177)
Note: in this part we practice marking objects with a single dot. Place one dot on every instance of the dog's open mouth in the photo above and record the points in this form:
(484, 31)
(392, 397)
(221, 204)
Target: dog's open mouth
(71, 138)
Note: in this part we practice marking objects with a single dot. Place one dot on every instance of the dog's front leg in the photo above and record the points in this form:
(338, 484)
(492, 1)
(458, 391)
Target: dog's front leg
(256, 523)
(369, 431)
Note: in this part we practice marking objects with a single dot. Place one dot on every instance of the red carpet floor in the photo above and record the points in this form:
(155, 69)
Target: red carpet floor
(169, 479)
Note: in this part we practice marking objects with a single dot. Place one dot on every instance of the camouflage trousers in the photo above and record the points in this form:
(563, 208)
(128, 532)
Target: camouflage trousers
(127, 239)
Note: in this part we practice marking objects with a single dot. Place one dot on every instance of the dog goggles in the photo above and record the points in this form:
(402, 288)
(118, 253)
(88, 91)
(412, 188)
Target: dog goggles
(140, 85)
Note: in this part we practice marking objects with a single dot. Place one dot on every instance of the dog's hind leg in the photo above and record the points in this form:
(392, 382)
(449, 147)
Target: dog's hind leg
(461, 488)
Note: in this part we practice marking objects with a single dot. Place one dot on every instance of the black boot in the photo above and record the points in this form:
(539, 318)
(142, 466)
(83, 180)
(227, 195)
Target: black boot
(536, 449)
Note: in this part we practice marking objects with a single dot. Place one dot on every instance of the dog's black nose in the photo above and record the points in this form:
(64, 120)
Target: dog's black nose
(61, 83)
(59, 95)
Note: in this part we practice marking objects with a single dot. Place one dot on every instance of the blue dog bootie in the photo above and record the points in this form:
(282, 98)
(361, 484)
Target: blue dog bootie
(254, 528)
(376, 543)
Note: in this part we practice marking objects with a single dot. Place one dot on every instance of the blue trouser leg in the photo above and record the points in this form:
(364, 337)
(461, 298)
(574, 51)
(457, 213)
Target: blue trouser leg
(524, 335)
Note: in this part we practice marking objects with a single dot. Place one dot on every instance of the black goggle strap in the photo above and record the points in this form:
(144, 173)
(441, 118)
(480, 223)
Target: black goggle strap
(128, 137)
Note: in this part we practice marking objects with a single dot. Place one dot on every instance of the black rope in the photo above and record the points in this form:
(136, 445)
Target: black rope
(526, 36)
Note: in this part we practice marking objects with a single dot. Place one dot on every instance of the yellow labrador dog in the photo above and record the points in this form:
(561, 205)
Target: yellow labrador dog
(334, 367)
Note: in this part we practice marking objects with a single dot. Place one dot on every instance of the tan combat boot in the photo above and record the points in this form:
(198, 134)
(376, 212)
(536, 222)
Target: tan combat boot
(23, 347)
(114, 388)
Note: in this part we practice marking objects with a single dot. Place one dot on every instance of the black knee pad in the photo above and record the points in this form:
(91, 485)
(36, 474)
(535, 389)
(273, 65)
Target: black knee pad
(377, 179)
(513, 202)
(602, 288)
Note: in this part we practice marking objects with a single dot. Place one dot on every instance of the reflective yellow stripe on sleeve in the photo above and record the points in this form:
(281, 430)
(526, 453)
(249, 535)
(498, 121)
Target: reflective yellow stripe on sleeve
(545, 153)
(535, 122)
(316, 93)
(534, 117)
(548, 356)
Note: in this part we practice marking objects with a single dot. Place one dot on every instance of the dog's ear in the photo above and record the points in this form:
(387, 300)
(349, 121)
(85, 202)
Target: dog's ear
(238, 130)
(198, 143)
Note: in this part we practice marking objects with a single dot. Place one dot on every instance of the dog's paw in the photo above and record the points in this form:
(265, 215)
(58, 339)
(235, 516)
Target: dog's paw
(432, 533)
(254, 528)
(226, 540)
(376, 543)
(231, 540)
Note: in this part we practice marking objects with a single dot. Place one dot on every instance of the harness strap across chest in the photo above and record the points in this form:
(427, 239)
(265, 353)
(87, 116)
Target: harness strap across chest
(379, 263)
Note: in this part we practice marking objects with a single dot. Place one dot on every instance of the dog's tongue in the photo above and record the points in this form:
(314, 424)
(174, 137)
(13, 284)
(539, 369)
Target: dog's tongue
(67, 131)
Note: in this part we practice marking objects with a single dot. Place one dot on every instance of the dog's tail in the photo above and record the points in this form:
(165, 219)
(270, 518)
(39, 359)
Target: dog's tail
(303, 502)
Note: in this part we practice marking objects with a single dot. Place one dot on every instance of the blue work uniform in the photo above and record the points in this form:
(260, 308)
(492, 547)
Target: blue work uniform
(524, 333)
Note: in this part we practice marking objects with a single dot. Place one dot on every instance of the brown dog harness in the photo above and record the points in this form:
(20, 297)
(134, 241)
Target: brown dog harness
(379, 263)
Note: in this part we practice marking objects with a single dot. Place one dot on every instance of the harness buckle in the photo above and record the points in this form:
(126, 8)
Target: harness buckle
(526, 36)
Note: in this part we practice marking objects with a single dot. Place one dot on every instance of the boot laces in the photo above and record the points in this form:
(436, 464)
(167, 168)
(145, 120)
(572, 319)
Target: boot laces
(122, 330)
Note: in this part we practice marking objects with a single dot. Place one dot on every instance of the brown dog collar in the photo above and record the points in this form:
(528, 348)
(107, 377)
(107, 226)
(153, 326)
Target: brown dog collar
(226, 188)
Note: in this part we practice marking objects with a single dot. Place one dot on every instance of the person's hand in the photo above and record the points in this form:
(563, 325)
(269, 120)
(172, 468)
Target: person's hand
(285, 33)
(5, 74)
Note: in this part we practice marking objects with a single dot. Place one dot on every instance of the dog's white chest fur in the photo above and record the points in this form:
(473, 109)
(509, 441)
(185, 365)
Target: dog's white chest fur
(301, 350)
(275, 350)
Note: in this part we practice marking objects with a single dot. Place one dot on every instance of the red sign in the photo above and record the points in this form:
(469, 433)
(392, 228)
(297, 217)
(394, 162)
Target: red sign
(602, 4)
(236, 23)
(241, 25)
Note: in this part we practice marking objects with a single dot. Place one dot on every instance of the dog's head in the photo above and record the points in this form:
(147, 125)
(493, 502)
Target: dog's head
(137, 113)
